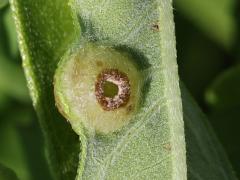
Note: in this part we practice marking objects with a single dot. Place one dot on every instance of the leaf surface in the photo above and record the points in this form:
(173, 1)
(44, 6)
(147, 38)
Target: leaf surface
(45, 30)
(152, 146)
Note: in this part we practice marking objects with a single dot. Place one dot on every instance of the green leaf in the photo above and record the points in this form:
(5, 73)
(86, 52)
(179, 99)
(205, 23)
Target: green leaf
(45, 30)
(6, 173)
(224, 100)
(206, 158)
(152, 145)
(226, 122)
(215, 18)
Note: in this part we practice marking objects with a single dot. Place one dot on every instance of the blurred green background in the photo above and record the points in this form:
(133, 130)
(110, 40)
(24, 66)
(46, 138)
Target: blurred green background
(208, 46)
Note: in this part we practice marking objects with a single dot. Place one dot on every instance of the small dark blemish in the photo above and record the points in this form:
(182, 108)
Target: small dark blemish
(155, 27)
(129, 108)
(167, 146)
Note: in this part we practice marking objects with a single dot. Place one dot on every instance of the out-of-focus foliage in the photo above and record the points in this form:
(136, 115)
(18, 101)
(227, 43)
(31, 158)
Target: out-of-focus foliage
(208, 58)
(12, 81)
(215, 18)
(223, 96)
(3, 3)
(6, 173)
(224, 92)
(21, 144)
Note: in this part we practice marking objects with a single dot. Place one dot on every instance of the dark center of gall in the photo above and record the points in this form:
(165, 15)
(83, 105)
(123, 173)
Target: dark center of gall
(112, 89)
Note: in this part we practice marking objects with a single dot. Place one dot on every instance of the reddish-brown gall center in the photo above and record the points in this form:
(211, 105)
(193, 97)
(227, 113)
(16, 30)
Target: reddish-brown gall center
(118, 79)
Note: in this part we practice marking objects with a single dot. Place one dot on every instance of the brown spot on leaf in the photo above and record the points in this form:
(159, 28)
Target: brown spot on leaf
(167, 146)
(129, 108)
(155, 27)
